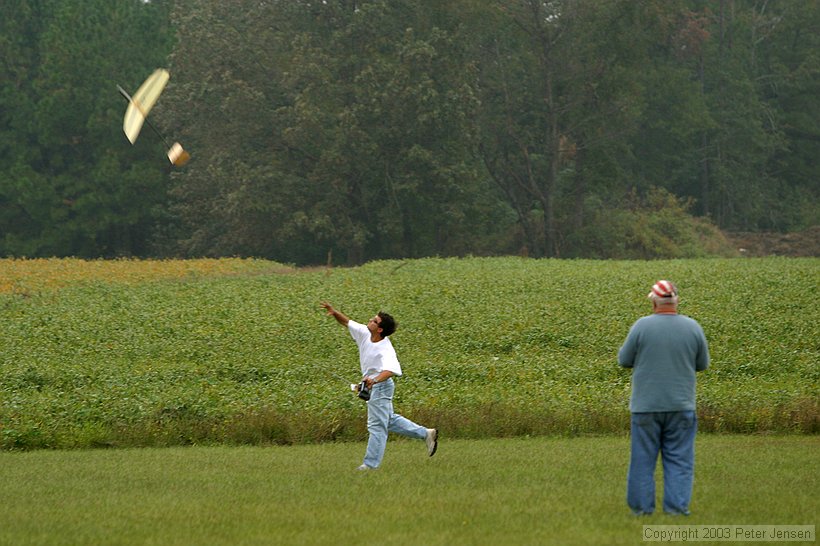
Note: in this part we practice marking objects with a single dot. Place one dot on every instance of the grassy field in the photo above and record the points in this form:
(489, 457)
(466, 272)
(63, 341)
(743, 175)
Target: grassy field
(162, 353)
(546, 490)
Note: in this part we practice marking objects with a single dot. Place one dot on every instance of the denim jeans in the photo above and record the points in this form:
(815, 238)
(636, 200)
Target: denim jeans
(381, 419)
(673, 435)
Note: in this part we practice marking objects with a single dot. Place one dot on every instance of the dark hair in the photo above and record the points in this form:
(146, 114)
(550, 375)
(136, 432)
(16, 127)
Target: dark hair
(388, 324)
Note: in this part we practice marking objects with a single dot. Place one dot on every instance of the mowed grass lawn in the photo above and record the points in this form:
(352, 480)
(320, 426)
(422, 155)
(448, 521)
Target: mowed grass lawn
(545, 490)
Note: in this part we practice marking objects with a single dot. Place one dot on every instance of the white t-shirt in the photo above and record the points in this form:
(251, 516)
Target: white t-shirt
(373, 357)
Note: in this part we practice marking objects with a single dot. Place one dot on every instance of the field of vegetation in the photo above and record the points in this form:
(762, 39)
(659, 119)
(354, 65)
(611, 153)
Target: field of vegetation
(159, 353)
(545, 490)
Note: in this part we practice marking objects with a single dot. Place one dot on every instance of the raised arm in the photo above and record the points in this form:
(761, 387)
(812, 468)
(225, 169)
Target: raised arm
(340, 317)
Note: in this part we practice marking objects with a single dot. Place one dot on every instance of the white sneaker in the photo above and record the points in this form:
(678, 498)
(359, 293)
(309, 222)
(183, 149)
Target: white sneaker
(364, 468)
(432, 441)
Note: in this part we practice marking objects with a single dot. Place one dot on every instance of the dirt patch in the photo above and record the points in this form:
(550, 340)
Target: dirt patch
(798, 244)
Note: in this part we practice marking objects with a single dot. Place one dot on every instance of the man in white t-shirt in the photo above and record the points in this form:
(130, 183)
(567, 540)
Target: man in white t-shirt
(379, 364)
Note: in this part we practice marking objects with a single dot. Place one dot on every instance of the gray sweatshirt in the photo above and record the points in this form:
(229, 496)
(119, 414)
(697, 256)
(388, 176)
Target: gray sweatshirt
(665, 351)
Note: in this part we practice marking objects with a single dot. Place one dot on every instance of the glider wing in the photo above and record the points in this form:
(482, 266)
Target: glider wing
(141, 103)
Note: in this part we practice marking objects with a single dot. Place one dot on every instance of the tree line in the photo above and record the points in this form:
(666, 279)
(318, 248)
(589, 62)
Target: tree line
(350, 130)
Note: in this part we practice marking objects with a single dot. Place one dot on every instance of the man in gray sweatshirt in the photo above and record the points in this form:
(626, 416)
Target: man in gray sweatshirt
(664, 350)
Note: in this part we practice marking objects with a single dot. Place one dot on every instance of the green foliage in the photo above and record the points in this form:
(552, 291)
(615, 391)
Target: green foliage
(369, 153)
(657, 225)
(490, 347)
(410, 129)
(343, 132)
(69, 182)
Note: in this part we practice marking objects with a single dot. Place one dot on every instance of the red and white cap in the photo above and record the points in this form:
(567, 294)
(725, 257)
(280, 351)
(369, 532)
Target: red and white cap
(663, 289)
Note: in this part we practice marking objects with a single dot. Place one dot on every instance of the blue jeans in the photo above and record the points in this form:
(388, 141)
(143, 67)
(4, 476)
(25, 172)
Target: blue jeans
(381, 419)
(673, 435)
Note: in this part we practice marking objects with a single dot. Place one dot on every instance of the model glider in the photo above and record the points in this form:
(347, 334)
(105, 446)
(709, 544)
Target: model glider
(140, 104)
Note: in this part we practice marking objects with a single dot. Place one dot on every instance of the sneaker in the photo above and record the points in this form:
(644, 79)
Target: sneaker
(365, 468)
(676, 513)
(432, 441)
